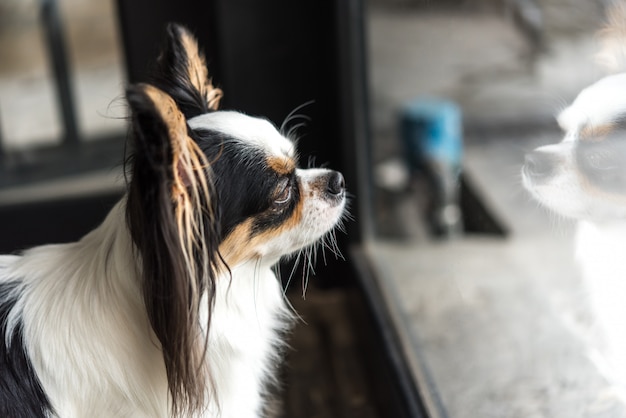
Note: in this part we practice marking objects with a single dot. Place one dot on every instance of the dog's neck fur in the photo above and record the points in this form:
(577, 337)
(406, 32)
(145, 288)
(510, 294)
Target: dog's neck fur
(100, 274)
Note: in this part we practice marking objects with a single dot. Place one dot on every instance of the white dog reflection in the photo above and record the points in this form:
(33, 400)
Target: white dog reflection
(584, 177)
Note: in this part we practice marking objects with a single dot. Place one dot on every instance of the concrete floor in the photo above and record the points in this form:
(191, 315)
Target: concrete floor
(492, 326)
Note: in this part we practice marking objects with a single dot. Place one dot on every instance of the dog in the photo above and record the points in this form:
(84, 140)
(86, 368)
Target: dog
(171, 307)
(584, 178)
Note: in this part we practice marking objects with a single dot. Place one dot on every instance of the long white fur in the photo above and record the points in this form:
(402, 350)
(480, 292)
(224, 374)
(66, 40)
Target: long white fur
(87, 332)
(599, 250)
(596, 105)
(601, 232)
(255, 131)
(91, 344)
(85, 326)
(601, 229)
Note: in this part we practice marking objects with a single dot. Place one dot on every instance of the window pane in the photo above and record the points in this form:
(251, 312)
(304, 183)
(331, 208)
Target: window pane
(513, 308)
(29, 107)
(27, 103)
(96, 61)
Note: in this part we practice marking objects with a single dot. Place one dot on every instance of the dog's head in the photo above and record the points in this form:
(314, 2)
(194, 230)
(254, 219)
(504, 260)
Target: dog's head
(584, 176)
(210, 190)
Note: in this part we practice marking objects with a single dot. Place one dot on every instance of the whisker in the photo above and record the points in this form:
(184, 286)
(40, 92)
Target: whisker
(334, 245)
(257, 269)
(278, 272)
(293, 270)
(305, 280)
(295, 128)
(293, 310)
(293, 115)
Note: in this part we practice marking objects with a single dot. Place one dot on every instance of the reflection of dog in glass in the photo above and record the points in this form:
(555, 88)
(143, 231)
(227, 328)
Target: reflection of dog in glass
(584, 177)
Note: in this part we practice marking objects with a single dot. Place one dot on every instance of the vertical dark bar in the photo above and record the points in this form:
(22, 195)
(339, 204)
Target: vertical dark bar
(353, 103)
(58, 58)
(2, 151)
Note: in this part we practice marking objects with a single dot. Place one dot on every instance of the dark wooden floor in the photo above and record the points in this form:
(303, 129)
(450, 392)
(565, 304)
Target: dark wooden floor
(324, 375)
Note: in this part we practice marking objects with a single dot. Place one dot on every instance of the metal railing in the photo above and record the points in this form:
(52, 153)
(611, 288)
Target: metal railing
(72, 155)
(57, 55)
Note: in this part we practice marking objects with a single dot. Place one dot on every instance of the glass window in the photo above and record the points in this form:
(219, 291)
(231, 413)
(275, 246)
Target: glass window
(500, 232)
(30, 113)
(27, 102)
(96, 59)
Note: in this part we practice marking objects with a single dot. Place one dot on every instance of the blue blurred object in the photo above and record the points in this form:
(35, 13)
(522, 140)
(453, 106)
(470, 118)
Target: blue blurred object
(432, 135)
(431, 129)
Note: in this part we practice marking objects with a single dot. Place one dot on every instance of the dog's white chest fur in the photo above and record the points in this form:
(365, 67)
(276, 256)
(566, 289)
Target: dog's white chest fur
(117, 366)
(244, 341)
(600, 252)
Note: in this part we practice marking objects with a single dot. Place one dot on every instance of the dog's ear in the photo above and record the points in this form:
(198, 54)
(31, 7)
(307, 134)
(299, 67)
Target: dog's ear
(171, 215)
(182, 73)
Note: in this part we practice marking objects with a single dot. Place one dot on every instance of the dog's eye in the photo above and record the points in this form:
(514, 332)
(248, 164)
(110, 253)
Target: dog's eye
(284, 196)
(595, 161)
(600, 161)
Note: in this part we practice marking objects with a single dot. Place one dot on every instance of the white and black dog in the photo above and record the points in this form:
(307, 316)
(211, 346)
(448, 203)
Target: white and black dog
(171, 306)
(584, 178)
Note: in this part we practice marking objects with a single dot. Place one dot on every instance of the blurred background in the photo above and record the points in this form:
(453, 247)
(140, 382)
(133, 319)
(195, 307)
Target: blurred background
(458, 296)
(30, 114)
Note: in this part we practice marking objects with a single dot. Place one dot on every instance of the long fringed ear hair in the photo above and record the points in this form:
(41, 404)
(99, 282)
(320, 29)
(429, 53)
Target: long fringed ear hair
(172, 215)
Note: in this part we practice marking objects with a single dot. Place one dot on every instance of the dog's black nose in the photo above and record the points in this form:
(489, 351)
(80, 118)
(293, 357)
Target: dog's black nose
(336, 185)
(539, 164)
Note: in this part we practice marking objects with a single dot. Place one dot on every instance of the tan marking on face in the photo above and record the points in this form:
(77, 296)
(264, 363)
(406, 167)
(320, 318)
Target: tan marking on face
(241, 245)
(281, 165)
(589, 188)
(596, 133)
(597, 193)
(198, 73)
(238, 246)
(295, 218)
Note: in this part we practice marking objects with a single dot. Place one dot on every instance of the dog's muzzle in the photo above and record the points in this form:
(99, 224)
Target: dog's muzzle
(539, 165)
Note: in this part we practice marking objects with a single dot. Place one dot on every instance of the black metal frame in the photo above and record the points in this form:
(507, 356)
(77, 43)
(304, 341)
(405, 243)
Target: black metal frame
(55, 42)
(73, 155)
